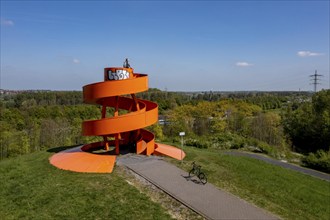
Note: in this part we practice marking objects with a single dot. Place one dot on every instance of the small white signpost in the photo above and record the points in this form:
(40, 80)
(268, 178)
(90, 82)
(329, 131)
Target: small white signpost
(182, 134)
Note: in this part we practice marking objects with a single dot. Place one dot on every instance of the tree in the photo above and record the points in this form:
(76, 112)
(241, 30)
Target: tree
(308, 127)
(266, 127)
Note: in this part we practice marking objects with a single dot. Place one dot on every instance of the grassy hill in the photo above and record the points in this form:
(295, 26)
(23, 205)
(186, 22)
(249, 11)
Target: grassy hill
(30, 188)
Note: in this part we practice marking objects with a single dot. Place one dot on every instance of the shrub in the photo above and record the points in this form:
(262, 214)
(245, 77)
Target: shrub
(238, 143)
(262, 147)
(228, 141)
(199, 143)
(319, 161)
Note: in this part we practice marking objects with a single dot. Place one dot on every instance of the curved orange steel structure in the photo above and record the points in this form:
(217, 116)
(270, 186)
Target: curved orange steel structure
(122, 130)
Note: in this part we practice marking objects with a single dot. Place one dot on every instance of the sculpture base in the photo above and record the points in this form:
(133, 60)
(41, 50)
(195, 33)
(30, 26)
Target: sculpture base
(76, 160)
(82, 161)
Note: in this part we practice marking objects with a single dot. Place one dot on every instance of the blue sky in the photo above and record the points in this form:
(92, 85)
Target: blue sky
(183, 46)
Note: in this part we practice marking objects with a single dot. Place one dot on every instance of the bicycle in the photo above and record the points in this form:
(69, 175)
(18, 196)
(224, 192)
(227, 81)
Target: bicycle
(196, 170)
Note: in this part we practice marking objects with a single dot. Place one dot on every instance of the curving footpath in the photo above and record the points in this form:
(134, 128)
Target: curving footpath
(206, 200)
(121, 130)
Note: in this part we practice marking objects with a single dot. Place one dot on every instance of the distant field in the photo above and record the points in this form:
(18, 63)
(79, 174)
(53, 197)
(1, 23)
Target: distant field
(286, 193)
(30, 188)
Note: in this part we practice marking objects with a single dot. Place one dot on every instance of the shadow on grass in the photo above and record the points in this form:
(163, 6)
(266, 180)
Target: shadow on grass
(58, 149)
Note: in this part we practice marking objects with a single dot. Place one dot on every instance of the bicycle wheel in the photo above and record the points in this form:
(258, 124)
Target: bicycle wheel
(202, 178)
(192, 172)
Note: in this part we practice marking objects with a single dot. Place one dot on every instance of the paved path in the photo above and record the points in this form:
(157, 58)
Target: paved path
(314, 173)
(206, 200)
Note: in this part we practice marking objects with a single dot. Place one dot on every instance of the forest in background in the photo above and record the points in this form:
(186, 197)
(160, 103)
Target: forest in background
(293, 126)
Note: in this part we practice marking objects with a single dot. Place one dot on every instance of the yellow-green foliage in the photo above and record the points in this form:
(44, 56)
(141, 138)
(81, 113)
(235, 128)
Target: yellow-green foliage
(208, 117)
(157, 130)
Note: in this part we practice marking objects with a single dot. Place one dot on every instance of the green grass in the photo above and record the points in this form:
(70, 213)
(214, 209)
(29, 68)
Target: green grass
(289, 194)
(30, 188)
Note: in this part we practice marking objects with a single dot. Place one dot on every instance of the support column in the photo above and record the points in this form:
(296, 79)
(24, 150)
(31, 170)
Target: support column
(117, 136)
(117, 143)
(138, 131)
(105, 139)
(135, 102)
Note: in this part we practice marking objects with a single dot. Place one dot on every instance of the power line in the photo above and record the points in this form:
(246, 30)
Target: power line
(315, 80)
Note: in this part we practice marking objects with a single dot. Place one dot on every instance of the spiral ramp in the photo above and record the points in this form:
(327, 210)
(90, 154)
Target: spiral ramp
(121, 132)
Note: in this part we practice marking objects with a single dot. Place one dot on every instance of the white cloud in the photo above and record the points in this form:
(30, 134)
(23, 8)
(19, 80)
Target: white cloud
(308, 54)
(243, 64)
(76, 61)
(6, 22)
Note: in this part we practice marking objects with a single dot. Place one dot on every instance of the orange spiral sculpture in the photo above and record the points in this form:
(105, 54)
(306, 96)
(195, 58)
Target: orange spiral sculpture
(122, 131)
